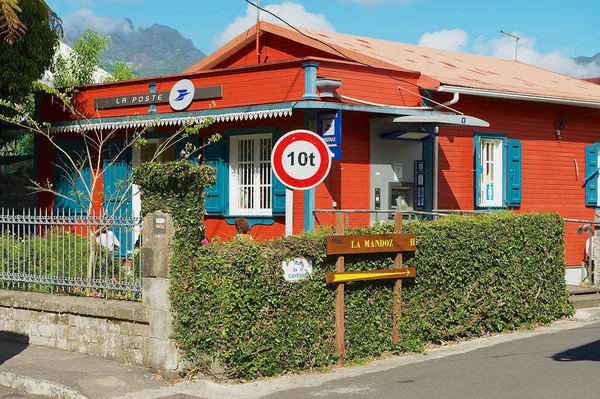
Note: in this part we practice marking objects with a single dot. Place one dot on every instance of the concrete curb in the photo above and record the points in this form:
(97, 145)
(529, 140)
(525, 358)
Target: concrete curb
(36, 386)
(587, 314)
(265, 387)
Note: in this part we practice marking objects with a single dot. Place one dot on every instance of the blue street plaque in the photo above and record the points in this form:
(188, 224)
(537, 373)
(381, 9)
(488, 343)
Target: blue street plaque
(329, 126)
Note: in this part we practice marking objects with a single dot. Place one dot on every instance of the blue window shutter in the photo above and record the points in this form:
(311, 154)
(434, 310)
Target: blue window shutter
(215, 155)
(180, 146)
(478, 170)
(514, 169)
(64, 175)
(116, 178)
(591, 173)
(278, 187)
(117, 190)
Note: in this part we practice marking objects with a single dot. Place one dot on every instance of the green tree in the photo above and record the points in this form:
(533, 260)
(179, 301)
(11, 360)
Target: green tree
(29, 34)
(122, 71)
(78, 68)
(25, 56)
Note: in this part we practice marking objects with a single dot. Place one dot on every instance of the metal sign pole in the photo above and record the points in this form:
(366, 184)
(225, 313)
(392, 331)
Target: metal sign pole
(339, 298)
(289, 212)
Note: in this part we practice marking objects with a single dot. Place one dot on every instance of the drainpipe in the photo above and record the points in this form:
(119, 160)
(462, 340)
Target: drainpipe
(435, 169)
(310, 81)
(449, 103)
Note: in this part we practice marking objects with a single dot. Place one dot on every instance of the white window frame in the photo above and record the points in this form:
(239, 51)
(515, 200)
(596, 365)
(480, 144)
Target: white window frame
(491, 158)
(262, 177)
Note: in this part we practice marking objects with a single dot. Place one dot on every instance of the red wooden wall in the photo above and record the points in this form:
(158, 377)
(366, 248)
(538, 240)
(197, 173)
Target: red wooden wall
(255, 86)
(348, 182)
(366, 84)
(272, 48)
(550, 180)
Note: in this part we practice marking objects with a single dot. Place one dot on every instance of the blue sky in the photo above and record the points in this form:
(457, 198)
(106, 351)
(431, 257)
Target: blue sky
(552, 31)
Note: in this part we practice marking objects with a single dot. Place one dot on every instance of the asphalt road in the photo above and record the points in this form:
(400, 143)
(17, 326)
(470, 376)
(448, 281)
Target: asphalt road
(564, 364)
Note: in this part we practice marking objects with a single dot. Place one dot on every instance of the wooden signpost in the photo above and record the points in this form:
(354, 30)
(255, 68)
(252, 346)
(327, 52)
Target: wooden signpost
(359, 244)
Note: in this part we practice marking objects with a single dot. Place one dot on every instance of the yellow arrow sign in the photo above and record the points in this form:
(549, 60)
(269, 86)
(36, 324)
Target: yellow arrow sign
(370, 275)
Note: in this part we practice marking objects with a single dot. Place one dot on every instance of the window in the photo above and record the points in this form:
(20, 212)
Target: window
(250, 180)
(245, 184)
(148, 151)
(497, 171)
(490, 185)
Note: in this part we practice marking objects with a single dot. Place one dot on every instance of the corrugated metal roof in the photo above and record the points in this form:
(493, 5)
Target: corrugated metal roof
(463, 69)
(447, 67)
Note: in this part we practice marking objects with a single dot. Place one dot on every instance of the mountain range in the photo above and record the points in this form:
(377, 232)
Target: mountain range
(587, 60)
(153, 51)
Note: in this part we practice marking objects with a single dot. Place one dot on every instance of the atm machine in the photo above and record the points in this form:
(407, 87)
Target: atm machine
(401, 196)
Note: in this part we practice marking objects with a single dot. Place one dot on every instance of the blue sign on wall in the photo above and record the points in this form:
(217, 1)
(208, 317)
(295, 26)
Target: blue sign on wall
(419, 184)
(329, 126)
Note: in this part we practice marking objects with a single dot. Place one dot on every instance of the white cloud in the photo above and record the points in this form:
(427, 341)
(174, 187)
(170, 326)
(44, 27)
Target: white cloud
(453, 40)
(293, 13)
(504, 47)
(76, 22)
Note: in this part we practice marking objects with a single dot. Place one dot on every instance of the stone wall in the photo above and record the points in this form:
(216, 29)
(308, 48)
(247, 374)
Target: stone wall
(106, 328)
(130, 332)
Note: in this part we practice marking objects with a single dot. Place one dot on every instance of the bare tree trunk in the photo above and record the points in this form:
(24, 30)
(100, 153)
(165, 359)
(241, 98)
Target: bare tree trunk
(91, 233)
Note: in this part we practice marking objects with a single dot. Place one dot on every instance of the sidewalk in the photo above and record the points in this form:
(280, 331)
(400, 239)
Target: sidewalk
(57, 374)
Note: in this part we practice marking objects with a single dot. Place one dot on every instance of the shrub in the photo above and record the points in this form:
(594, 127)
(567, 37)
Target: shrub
(59, 255)
(176, 187)
(474, 276)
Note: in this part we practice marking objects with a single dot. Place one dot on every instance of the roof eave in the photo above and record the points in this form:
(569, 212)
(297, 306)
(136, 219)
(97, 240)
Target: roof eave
(225, 51)
(577, 102)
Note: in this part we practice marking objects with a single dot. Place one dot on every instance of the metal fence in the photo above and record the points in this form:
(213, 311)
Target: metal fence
(381, 215)
(71, 253)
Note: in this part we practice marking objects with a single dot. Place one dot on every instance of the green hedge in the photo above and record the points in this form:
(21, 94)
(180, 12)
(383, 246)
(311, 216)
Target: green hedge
(475, 276)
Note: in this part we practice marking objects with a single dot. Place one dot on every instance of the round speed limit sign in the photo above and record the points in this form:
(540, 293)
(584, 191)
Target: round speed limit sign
(301, 159)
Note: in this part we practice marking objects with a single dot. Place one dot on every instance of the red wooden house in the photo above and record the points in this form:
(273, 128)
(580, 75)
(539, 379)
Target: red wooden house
(416, 127)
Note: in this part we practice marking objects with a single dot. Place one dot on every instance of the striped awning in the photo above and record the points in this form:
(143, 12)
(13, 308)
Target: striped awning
(167, 120)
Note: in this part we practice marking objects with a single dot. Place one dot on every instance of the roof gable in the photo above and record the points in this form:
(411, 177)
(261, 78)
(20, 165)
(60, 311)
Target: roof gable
(248, 37)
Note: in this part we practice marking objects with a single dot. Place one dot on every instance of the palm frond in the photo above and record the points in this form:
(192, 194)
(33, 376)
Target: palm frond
(11, 27)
